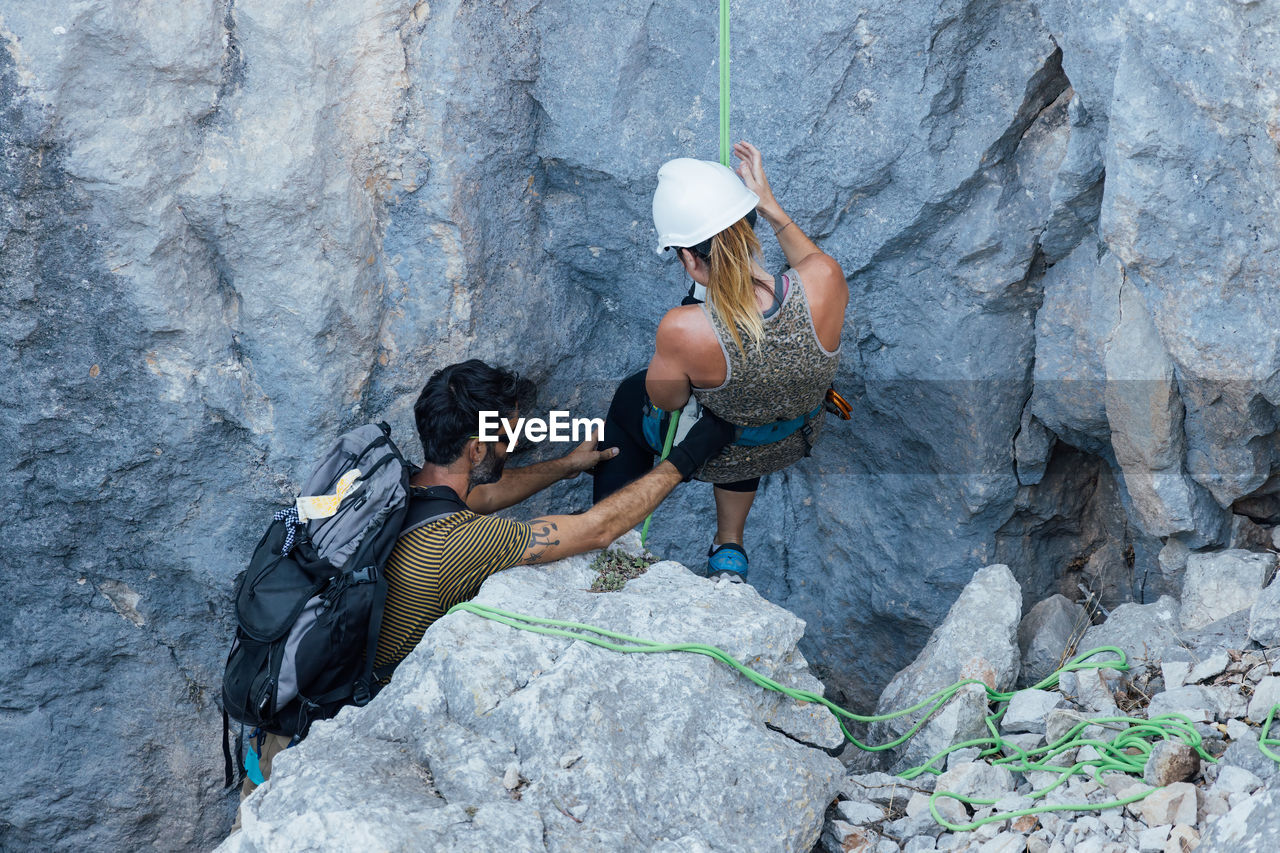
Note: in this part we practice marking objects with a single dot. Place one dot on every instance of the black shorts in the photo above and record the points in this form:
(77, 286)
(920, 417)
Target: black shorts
(623, 429)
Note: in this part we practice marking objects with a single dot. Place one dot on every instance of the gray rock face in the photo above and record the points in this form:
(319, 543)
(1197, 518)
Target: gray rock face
(1244, 754)
(1046, 634)
(1220, 583)
(1264, 616)
(1171, 761)
(1141, 630)
(232, 228)
(1145, 413)
(1251, 827)
(1028, 709)
(658, 741)
(977, 640)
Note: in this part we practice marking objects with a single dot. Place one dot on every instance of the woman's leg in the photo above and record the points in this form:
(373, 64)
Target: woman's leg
(733, 502)
(623, 430)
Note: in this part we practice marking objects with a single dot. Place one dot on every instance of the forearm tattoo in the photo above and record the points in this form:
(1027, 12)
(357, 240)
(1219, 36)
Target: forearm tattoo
(545, 535)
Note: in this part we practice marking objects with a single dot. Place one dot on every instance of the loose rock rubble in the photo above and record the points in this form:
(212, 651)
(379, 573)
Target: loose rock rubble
(1220, 669)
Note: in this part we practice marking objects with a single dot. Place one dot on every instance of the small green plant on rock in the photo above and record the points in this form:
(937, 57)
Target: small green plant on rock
(615, 568)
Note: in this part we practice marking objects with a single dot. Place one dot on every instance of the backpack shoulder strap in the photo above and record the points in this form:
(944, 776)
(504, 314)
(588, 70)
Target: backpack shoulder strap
(430, 504)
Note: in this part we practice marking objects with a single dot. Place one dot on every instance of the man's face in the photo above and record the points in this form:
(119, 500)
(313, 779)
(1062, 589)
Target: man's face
(489, 469)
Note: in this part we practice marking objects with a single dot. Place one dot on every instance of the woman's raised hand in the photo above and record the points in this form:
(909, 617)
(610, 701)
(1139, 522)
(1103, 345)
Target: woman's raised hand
(751, 170)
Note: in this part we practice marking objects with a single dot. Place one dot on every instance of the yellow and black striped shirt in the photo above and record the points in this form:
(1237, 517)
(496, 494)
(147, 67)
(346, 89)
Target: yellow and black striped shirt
(438, 565)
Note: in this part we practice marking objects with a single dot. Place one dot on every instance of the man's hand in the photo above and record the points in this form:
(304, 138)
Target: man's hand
(554, 537)
(708, 437)
(584, 457)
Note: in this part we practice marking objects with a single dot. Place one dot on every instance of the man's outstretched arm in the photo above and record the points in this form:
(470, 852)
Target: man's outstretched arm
(519, 483)
(558, 536)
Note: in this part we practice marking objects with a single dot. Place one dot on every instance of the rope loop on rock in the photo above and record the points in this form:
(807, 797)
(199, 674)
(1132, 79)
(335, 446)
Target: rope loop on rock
(1126, 753)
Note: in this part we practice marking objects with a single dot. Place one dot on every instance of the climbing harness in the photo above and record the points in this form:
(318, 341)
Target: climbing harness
(1126, 753)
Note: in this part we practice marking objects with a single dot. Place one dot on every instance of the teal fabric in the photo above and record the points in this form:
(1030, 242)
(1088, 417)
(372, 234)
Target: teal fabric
(655, 420)
(652, 424)
(769, 433)
(251, 768)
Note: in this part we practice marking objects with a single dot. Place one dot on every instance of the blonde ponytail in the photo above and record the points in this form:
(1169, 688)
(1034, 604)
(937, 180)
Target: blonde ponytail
(731, 286)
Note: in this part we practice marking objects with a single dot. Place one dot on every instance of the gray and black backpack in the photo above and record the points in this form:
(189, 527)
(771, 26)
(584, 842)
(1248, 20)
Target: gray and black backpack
(309, 607)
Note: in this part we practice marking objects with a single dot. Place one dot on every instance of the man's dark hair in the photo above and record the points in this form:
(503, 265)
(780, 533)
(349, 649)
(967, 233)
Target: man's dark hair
(448, 409)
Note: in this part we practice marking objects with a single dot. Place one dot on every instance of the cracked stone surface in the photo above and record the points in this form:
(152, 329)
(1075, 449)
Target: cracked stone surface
(664, 740)
(231, 228)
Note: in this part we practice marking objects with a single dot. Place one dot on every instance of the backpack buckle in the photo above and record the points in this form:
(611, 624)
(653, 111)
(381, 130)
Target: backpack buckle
(360, 696)
(369, 574)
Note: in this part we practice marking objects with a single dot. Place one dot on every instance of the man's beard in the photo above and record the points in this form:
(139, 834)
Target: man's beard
(489, 470)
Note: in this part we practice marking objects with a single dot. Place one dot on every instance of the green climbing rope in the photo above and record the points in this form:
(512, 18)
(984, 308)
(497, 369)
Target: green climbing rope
(724, 82)
(666, 449)
(1265, 740)
(1126, 753)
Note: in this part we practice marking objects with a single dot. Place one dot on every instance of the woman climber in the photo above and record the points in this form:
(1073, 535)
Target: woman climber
(760, 352)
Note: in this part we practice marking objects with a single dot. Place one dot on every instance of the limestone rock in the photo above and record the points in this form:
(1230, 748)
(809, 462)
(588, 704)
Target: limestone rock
(842, 837)
(1251, 827)
(1028, 709)
(1192, 701)
(1169, 762)
(1146, 412)
(1236, 780)
(859, 814)
(1045, 635)
(919, 844)
(1220, 583)
(1142, 630)
(920, 805)
(1173, 560)
(1088, 689)
(1210, 667)
(1152, 840)
(1182, 839)
(475, 694)
(229, 229)
(892, 792)
(1244, 754)
(977, 779)
(1264, 616)
(1201, 644)
(1265, 697)
(977, 640)
(1172, 805)
(1059, 723)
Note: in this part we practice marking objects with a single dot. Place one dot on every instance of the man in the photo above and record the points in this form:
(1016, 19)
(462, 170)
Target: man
(450, 545)
(442, 562)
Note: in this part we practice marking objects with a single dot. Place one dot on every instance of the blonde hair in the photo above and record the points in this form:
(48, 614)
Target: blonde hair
(731, 286)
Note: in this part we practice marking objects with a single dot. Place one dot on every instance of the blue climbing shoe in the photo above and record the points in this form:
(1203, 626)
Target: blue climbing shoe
(727, 561)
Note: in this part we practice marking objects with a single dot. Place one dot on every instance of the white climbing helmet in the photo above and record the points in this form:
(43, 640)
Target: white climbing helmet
(697, 199)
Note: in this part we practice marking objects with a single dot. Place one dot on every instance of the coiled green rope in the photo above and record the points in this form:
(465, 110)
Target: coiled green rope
(1126, 753)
